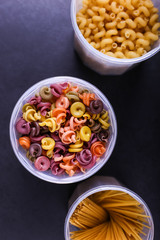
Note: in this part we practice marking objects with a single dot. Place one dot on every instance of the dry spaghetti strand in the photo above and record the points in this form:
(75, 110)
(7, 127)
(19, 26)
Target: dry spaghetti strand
(109, 215)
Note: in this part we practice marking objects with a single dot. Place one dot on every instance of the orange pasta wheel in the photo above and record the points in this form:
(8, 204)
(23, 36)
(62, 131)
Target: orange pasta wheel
(67, 166)
(25, 142)
(80, 121)
(68, 158)
(59, 114)
(61, 118)
(87, 98)
(67, 137)
(57, 111)
(75, 89)
(74, 124)
(72, 171)
(71, 125)
(67, 126)
(62, 102)
(98, 149)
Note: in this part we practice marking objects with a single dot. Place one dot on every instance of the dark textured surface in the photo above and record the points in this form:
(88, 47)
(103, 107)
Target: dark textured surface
(36, 42)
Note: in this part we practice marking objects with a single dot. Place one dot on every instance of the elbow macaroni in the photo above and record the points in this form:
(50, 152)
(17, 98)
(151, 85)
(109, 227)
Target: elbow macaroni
(119, 28)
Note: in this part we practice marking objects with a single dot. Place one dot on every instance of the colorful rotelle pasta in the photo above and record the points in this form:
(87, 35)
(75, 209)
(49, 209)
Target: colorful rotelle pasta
(64, 129)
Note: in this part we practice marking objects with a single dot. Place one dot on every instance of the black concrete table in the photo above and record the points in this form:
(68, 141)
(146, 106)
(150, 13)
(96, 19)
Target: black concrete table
(36, 42)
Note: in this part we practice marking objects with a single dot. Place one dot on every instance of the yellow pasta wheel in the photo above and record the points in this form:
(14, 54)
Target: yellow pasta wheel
(77, 109)
(77, 136)
(38, 116)
(51, 124)
(87, 115)
(29, 115)
(85, 133)
(27, 106)
(77, 147)
(48, 143)
(96, 116)
(49, 153)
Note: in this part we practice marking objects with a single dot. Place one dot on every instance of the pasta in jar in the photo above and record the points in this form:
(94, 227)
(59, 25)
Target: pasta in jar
(64, 128)
(119, 28)
(109, 215)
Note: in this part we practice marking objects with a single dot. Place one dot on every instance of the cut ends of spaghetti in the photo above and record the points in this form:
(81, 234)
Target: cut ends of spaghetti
(109, 215)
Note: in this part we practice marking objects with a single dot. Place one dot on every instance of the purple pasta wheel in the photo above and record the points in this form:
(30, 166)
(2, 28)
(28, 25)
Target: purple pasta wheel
(56, 89)
(55, 136)
(44, 107)
(44, 130)
(103, 136)
(92, 163)
(37, 139)
(35, 100)
(35, 150)
(60, 148)
(86, 145)
(96, 106)
(35, 129)
(93, 138)
(88, 109)
(64, 85)
(91, 141)
(42, 163)
(56, 169)
(85, 158)
(23, 127)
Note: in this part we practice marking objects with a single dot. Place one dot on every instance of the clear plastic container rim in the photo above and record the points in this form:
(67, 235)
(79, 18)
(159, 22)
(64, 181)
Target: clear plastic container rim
(39, 174)
(105, 188)
(102, 56)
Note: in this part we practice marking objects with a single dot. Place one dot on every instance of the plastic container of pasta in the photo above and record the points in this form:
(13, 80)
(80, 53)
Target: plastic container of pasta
(98, 61)
(21, 153)
(98, 184)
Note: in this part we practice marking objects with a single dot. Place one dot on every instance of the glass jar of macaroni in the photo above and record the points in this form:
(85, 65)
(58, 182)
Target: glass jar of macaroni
(100, 62)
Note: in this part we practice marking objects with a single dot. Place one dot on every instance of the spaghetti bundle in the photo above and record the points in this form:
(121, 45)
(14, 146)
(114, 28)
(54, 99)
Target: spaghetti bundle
(88, 214)
(109, 215)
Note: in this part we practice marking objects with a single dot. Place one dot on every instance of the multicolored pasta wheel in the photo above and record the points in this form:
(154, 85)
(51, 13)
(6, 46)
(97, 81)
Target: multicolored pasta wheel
(64, 129)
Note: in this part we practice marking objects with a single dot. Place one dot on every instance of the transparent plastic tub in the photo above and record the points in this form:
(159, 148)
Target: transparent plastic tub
(98, 184)
(21, 153)
(98, 61)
